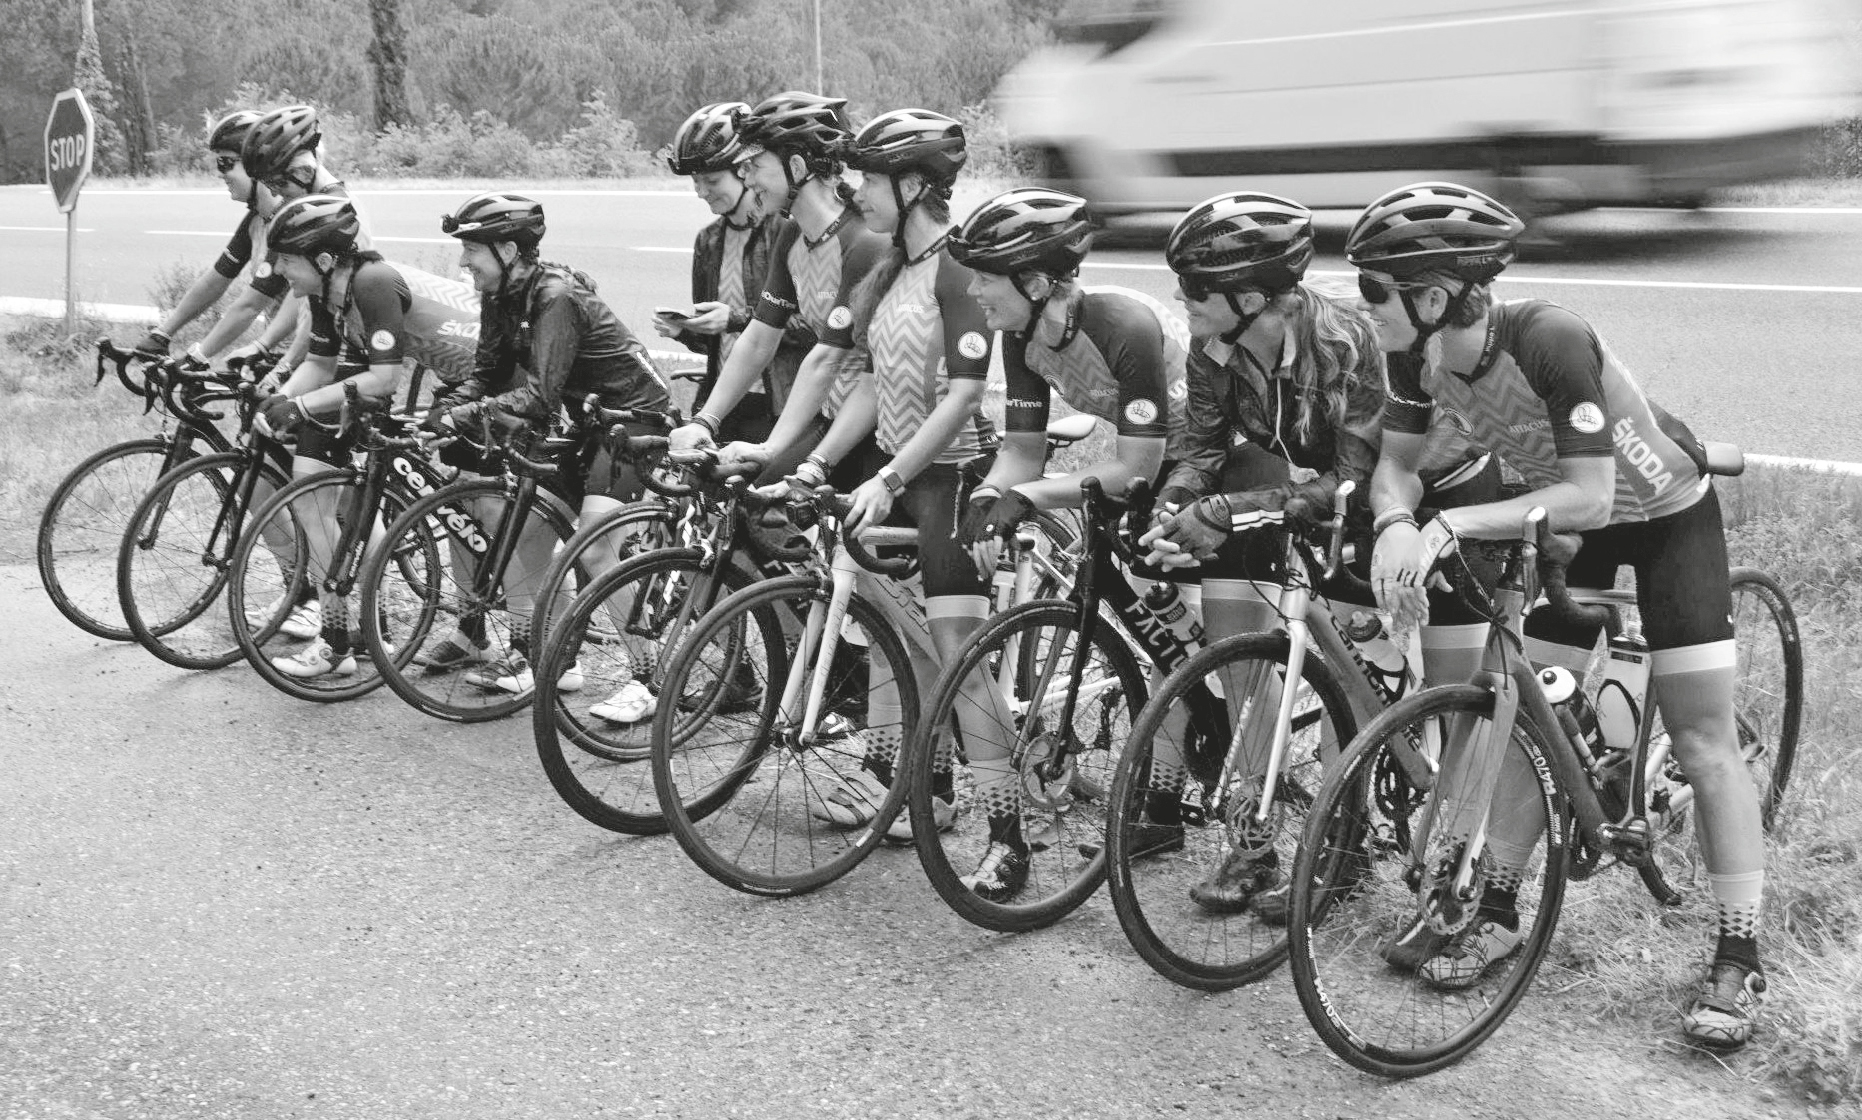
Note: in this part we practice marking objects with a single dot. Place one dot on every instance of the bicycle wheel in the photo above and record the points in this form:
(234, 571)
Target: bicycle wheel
(1401, 977)
(752, 800)
(264, 586)
(1063, 764)
(625, 531)
(1156, 864)
(176, 550)
(644, 606)
(436, 639)
(82, 527)
(1768, 706)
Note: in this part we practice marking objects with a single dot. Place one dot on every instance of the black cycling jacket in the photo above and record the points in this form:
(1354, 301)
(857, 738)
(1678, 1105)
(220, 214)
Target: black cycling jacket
(549, 343)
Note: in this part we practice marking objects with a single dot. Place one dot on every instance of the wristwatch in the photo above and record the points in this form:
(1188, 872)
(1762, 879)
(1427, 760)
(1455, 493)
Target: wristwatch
(891, 478)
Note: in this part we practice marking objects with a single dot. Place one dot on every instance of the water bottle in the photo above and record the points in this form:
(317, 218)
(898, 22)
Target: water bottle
(1575, 714)
(1165, 600)
(1366, 631)
(1624, 689)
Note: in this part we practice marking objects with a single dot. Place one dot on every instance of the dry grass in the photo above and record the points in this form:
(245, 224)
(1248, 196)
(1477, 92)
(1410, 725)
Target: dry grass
(1621, 957)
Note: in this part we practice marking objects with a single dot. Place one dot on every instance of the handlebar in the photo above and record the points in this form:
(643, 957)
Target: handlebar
(107, 352)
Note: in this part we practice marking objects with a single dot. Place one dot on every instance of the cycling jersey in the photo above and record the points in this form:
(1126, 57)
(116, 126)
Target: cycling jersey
(815, 281)
(390, 312)
(550, 342)
(729, 265)
(1545, 388)
(238, 254)
(1111, 352)
(926, 332)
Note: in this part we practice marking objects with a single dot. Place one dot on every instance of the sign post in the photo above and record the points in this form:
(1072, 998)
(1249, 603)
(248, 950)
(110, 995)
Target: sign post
(69, 133)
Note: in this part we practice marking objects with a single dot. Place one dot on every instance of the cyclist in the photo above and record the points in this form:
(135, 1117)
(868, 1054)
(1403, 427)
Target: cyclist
(1110, 352)
(1285, 391)
(364, 319)
(546, 342)
(224, 142)
(909, 428)
(1537, 384)
(730, 259)
(819, 256)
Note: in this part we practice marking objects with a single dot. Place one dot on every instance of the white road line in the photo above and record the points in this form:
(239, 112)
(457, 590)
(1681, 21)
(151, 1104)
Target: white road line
(1829, 465)
(55, 309)
(185, 232)
(42, 229)
(1577, 281)
(419, 240)
(662, 249)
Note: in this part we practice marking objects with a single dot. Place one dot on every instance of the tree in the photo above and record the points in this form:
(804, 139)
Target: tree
(109, 155)
(388, 61)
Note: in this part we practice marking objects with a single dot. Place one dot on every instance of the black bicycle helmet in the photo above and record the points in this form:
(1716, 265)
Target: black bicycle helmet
(1435, 227)
(709, 140)
(908, 140)
(276, 137)
(492, 216)
(229, 134)
(807, 123)
(316, 223)
(1240, 241)
(1028, 229)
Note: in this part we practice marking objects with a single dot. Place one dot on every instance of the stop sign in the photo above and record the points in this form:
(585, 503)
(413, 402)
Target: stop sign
(68, 134)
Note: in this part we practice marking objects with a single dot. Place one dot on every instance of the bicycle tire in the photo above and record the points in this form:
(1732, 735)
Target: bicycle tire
(81, 531)
(744, 786)
(650, 524)
(274, 585)
(602, 770)
(1063, 814)
(1353, 904)
(165, 542)
(1149, 883)
(418, 628)
(1768, 706)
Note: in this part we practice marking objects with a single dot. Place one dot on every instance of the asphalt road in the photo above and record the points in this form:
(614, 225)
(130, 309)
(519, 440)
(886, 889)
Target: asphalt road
(1741, 323)
(217, 902)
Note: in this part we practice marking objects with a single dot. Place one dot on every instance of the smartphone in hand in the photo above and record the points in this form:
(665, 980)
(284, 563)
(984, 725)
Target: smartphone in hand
(673, 313)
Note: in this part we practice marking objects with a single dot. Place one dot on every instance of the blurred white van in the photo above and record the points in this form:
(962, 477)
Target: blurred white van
(1561, 105)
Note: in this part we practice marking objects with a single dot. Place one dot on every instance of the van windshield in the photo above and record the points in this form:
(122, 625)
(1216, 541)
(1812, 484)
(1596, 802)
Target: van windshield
(1113, 24)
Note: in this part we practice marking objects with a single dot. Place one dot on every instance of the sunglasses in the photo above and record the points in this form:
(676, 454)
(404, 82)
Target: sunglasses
(1378, 291)
(1195, 289)
(223, 164)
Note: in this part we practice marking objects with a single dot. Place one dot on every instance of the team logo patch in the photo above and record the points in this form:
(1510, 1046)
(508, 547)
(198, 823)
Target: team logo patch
(840, 318)
(1179, 391)
(1141, 412)
(972, 345)
(263, 270)
(382, 340)
(1587, 418)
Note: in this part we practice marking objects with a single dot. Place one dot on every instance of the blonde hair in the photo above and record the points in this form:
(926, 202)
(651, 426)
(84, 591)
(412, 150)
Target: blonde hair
(1335, 343)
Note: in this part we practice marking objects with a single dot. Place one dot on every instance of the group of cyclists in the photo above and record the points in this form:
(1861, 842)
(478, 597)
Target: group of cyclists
(848, 323)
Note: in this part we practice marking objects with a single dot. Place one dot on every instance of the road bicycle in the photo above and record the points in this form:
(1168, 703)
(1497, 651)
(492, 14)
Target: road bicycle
(391, 472)
(1073, 680)
(626, 624)
(177, 547)
(1170, 830)
(81, 527)
(1391, 867)
(623, 627)
(499, 532)
(751, 792)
